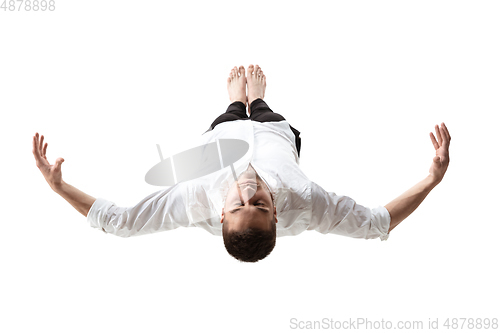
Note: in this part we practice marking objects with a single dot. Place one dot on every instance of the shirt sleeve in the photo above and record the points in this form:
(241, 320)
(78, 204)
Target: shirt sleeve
(160, 211)
(341, 215)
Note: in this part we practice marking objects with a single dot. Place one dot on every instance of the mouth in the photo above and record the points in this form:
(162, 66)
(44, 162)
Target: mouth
(248, 183)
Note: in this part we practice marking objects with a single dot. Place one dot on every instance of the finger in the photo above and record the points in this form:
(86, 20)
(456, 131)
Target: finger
(440, 139)
(447, 132)
(36, 152)
(45, 149)
(41, 143)
(59, 162)
(34, 145)
(444, 135)
(434, 142)
(39, 160)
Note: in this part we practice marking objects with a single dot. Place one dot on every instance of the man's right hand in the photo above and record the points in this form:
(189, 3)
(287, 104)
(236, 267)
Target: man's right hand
(52, 173)
(442, 158)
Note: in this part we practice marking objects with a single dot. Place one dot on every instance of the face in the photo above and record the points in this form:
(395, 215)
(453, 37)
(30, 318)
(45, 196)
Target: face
(248, 203)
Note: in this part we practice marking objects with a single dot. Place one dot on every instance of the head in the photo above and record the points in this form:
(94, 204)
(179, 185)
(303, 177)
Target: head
(249, 218)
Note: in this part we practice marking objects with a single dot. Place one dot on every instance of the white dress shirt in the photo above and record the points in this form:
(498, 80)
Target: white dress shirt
(300, 203)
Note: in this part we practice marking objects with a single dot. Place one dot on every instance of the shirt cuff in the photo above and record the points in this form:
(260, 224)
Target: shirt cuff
(97, 214)
(382, 221)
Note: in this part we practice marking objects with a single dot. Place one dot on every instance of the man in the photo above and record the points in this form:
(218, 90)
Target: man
(270, 196)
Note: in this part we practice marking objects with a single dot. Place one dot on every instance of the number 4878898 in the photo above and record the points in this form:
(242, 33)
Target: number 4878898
(28, 5)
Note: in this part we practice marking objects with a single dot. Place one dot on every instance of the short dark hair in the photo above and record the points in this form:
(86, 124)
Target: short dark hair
(251, 244)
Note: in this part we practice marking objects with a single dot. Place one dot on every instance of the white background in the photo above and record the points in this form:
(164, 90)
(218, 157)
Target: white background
(363, 81)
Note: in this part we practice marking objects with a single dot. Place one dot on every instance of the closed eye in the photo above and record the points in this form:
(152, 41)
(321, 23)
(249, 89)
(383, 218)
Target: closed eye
(257, 204)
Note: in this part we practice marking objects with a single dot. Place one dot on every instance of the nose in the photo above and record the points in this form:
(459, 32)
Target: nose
(247, 191)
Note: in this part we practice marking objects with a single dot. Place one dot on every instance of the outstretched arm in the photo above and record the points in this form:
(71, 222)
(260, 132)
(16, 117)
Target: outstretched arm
(81, 201)
(160, 211)
(401, 207)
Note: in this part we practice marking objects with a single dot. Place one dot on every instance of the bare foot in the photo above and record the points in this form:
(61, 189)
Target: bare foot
(256, 82)
(236, 83)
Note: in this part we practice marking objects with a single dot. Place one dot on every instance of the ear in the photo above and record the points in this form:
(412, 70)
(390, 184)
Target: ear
(222, 219)
(275, 217)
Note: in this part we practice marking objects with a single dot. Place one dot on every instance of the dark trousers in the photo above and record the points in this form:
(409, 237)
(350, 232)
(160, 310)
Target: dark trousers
(259, 111)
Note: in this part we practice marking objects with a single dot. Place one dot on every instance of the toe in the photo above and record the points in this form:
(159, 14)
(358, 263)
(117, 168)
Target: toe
(242, 71)
(250, 70)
